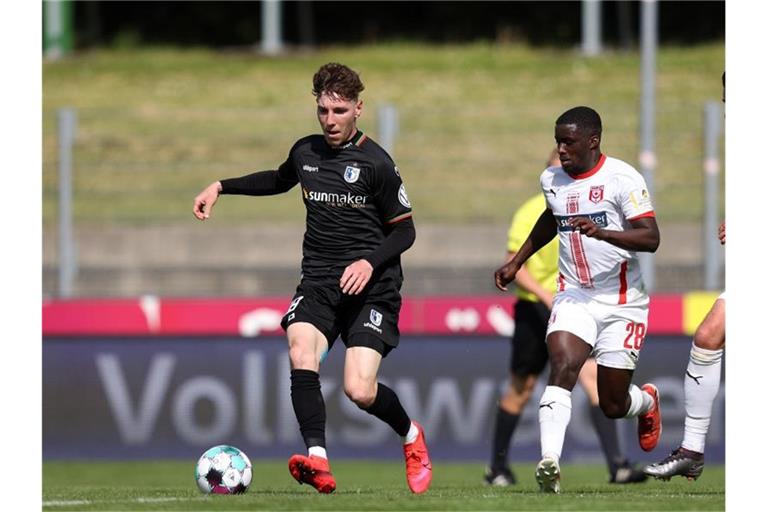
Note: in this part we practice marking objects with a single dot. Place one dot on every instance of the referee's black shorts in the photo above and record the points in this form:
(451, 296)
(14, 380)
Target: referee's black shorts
(529, 346)
(368, 320)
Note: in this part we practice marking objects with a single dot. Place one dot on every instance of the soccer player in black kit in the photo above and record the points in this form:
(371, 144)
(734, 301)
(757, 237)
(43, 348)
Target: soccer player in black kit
(358, 223)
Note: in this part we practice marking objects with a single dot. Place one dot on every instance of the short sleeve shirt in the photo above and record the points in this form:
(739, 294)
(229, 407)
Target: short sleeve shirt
(612, 194)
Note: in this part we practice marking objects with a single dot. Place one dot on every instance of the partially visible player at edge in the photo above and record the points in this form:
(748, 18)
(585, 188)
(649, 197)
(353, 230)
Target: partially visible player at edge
(358, 223)
(601, 210)
(701, 385)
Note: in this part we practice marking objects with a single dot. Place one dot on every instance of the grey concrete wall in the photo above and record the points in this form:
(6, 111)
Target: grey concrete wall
(213, 259)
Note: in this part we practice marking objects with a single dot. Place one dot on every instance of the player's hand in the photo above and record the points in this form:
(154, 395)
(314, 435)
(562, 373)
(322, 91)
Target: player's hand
(205, 200)
(586, 227)
(721, 233)
(355, 277)
(506, 274)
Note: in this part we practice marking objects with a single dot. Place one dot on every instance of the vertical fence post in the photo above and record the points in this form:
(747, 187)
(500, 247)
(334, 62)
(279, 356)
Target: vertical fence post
(388, 127)
(647, 158)
(271, 27)
(713, 119)
(67, 123)
(58, 28)
(591, 28)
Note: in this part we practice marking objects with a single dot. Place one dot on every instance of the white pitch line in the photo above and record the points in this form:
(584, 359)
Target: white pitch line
(65, 503)
(73, 503)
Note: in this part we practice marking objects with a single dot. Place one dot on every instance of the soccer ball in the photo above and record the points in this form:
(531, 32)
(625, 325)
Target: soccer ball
(223, 469)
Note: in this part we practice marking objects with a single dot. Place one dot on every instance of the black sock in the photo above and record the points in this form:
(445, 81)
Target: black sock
(309, 406)
(388, 409)
(608, 435)
(506, 424)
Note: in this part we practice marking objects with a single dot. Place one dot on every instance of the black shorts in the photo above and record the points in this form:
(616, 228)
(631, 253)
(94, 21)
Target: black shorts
(529, 346)
(366, 320)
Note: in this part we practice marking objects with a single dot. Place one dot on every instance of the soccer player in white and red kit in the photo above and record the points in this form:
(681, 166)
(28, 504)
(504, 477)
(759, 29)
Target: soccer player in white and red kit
(601, 210)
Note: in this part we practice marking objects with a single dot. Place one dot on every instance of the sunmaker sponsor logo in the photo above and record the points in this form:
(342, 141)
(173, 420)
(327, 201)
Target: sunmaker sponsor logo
(333, 198)
(599, 218)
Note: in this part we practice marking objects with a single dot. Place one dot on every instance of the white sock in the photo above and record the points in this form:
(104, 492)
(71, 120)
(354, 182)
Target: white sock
(412, 434)
(640, 402)
(319, 451)
(701, 384)
(554, 416)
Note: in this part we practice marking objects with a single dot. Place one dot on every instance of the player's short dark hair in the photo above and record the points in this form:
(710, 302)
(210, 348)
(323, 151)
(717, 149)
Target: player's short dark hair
(583, 117)
(337, 79)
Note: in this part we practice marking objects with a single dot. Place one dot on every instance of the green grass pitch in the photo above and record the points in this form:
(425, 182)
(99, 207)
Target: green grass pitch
(365, 485)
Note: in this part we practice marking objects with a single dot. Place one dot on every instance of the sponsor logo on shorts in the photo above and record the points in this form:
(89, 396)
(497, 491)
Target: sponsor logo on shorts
(371, 326)
(375, 322)
(599, 218)
(402, 196)
(351, 174)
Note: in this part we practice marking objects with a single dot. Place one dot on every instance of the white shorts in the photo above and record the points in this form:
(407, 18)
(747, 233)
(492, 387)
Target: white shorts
(615, 332)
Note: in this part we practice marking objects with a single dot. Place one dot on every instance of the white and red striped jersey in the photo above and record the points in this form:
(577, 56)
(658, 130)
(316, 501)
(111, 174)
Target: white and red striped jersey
(611, 194)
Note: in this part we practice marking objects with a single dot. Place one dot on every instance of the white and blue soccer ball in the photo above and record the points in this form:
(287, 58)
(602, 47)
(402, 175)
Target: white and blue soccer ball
(223, 469)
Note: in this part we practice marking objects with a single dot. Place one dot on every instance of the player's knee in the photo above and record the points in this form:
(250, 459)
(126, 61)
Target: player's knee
(302, 357)
(708, 336)
(360, 393)
(564, 371)
(613, 409)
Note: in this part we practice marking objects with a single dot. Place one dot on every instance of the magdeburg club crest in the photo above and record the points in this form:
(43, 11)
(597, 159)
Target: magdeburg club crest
(351, 174)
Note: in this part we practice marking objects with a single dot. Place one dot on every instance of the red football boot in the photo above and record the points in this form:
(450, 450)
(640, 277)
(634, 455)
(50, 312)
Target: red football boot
(649, 424)
(312, 470)
(418, 467)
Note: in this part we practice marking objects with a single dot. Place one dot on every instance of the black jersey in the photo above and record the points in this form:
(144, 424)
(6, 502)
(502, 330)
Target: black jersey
(353, 194)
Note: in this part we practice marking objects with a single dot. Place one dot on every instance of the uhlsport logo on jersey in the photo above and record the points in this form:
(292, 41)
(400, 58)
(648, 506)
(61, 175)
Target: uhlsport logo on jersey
(596, 193)
(402, 196)
(351, 174)
(375, 322)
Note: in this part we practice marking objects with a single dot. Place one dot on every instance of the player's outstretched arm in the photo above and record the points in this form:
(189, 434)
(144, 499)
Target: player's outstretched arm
(542, 233)
(205, 200)
(643, 236)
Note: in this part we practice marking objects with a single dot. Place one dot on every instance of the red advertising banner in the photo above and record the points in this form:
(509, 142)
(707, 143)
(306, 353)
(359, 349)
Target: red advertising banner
(432, 315)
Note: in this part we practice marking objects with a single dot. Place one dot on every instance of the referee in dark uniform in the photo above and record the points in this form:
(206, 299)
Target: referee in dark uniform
(358, 223)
